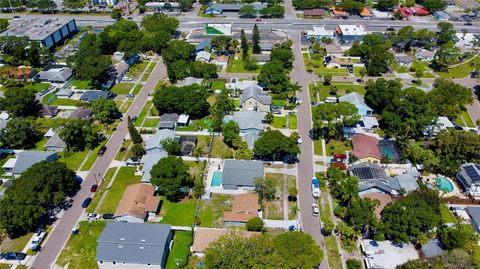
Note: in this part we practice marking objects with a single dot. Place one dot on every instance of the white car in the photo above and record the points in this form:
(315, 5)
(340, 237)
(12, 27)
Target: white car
(299, 140)
(127, 79)
(37, 240)
(315, 210)
(92, 216)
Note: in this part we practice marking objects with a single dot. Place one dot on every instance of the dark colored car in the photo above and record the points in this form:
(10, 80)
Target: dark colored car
(9, 256)
(107, 216)
(101, 151)
(86, 202)
(94, 188)
(458, 127)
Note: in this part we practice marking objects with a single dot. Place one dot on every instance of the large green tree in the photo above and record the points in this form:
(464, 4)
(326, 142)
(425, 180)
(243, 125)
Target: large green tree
(273, 145)
(230, 132)
(283, 54)
(190, 100)
(104, 110)
(123, 35)
(18, 134)
(170, 174)
(374, 51)
(19, 102)
(274, 77)
(449, 98)
(256, 40)
(79, 134)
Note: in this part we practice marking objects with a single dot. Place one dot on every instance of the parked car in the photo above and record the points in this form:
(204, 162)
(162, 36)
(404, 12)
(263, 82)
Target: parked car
(37, 240)
(127, 79)
(86, 202)
(132, 161)
(94, 188)
(130, 95)
(107, 216)
(315, 210)
(101, 151)
(458, 127)
(92, 216)
(468, 23)
(9, 256)
(299, 140)
(315, 187)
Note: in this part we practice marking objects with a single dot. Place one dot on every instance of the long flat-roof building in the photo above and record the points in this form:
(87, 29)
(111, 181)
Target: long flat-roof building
(48, 31)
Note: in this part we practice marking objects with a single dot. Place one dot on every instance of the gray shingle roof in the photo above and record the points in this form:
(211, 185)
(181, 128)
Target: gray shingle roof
(407, 182)
(148, 161)
(248, 120)
(168, 121)
(90, 96)
(155, 141)
(55, 74)
(353, 98)
(241, 172)
(26, 159)
(64, 92)
(233, 7)
(432, 248)
(55, 142)
(134, 243)
(256, 93)
(474, 213)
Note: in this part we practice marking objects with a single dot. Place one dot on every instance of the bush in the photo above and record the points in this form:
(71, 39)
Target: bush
(354, 264)
(254, 225)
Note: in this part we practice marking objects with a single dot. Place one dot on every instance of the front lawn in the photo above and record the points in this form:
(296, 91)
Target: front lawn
(73, 160)
(342, 89)
(81, 84)
(122, 88)
(151, 122)
(101, 190)
(317, 147)
(335, 146)
(180, 251)
(122, 152)
(37, 87)
(466, 117)
(65, 102)
(292, 122)
(211, 210)
(460, 71)
(218, 85)
(125, 177)
(80, 250)
(279, 122)
(137, 69)
(178, 214)
(16, 244)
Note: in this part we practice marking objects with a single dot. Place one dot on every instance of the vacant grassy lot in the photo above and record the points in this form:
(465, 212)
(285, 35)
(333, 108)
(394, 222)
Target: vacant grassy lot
(181, 250)
(237, 66)
(220, 149)
(80, 250)
(218, 85)
(136, 70)
(211, 211)
(65, 102)
(122, 87)
(178, 214)
(125, 177)
(15, 244)
(460, 71)
(151, 122)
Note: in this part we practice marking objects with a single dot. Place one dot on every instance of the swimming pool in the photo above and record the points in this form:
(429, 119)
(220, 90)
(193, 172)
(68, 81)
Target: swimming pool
(216, 179)
(444, 184)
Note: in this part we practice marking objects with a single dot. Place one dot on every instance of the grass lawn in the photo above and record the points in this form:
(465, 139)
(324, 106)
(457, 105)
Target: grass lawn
(123, 150)
(49, 122)
(237, 66)
(212, 99)
(39, 145)
(137, 89)
(182, 241)
(80, 250)
(218, 85)
(65, 102)
(38, 87)
(151, 122)
(47, 97)
(101, 190)
(81, 84)
(143, 114)
(468, 120)
(460, 71)
(292, 206)
(447, 216)
(279, 102)
(220, 149)
(400, 68)
(73, 160)
(196, 169)
(178, 214)
(330, 71)
(136, 70)
(274, 208)
(211, 210)
(125, 105)
(292, 123)
(122, 87)
(279, 122)
(335, 146)
(6, 266)
(342, 89)
(333, 254)
(93, 156)
(317, 147)
(125, 177)
(17, 244)
(202, 142)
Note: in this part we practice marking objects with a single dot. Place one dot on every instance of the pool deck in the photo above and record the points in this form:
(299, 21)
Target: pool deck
(432, 180)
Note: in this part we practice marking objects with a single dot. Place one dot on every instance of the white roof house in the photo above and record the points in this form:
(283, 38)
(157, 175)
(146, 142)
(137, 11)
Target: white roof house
(352, 30)
(387, 254)
(320, 31)
(203, 56)
(465, 41)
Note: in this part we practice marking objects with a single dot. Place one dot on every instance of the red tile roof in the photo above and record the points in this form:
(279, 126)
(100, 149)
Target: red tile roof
(365, 146)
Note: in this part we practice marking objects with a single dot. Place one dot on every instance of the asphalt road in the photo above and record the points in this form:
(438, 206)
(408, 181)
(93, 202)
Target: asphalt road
(309, 223)
(60, 234)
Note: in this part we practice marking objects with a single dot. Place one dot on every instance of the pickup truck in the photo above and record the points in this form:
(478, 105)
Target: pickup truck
(315, 187)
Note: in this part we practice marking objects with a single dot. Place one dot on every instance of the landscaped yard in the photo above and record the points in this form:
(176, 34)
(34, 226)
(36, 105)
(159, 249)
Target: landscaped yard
(319, 69)
(211, 210)
(342, 89)
(38, 87)
(80, 250)
(180, 251)
(218, 85)
(122, 87)
(151, 122)
(101, 190)
(73, 160)
(335, 146)
(279, 122)
(178, 214)
(125, 177)
(460, 71)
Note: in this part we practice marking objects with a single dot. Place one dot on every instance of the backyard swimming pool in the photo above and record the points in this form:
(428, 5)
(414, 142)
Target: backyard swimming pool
(216, 179)
(444, 184)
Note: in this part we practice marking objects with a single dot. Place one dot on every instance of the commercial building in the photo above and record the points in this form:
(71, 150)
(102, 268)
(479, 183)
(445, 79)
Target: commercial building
(320, 32)
(469, 178)
(350, 33)
(218, 9)
(48, 31)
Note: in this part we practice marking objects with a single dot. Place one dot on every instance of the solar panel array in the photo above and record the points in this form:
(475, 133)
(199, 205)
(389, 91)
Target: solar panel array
(472, 172)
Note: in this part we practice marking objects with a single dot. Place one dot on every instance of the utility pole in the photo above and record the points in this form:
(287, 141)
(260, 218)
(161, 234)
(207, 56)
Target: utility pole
(11, 8)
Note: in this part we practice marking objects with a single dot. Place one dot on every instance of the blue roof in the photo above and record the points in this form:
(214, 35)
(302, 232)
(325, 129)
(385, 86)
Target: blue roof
(202, 45)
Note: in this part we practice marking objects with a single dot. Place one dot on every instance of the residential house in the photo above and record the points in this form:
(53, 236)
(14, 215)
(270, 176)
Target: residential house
(137, 204)
(440, 124)
(372, 179)
(367, 124)
(365, 148)
(221, 61)
(92, 95)
(432, 249)
(25, 159)
(387, 254)
(55, 143)
(261, 58)
(320, 32)
(474, 214)
(339, 13)
(342, 62)
(22, 73)
(64, 93)
(162, 6)
(350, 33)
(49, 111)
(441, 15)
(245, 207)
(81, 113)
(55, 74)
(51, 132)
(154, 152)
(412, 11)
(316, 13)
(365, 14)
(359, 101)
(205, 236)
(468, 176)
(241, 174)
(254, 98)
(332, 50)
(189, 81)
(203, 56)
(424, 55)
(404, 60)
(133, 245)
(465, 41)
(203, 46)
(168, 121)
(120, 69)
(250, 123)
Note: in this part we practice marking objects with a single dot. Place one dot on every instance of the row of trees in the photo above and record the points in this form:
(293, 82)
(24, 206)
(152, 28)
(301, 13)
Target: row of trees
(249, 61)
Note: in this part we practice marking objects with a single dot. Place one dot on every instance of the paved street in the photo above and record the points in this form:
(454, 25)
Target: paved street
(59, 236)
(309, 223)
